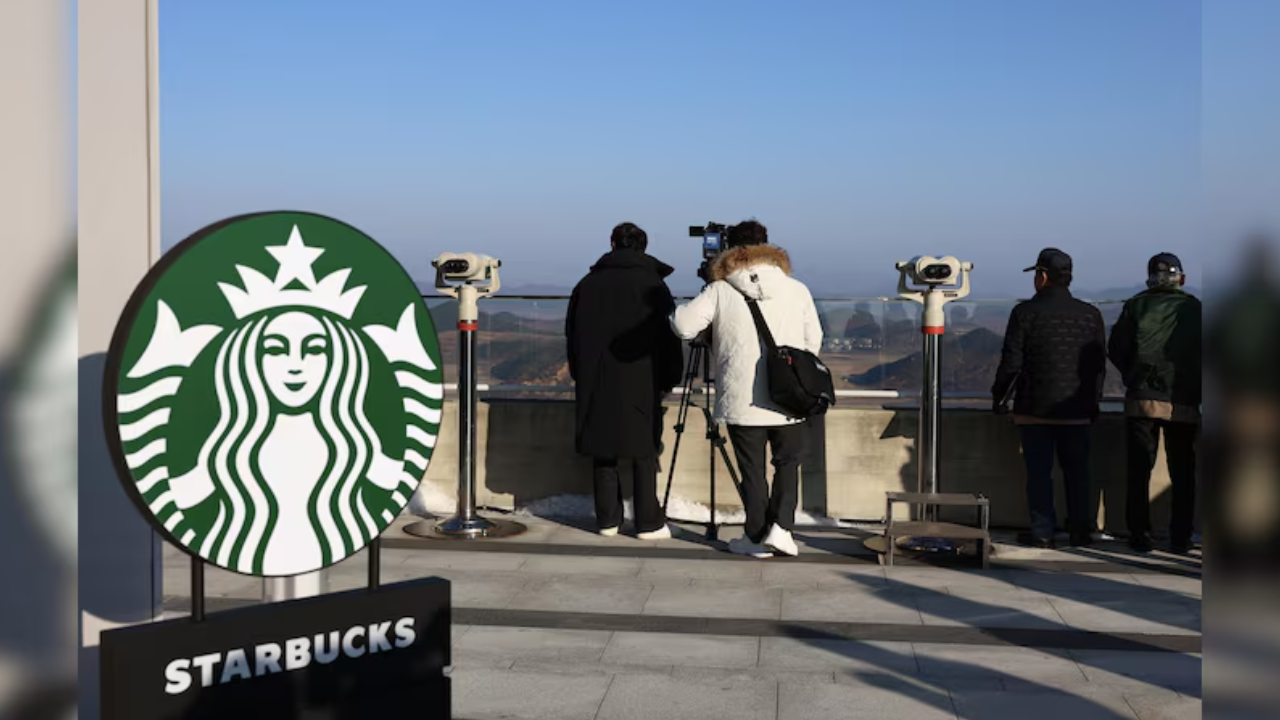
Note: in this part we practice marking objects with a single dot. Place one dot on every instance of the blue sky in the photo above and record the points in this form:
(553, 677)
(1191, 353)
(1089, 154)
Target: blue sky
(860, 132)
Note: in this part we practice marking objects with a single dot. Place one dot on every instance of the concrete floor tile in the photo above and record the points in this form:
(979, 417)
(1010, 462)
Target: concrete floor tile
(1135, 616)
(464, 660)
(1013, 611)
(1189, 587)
(905, 701)
(646, 698)
(518, 643)
(717, 651)
(941, 579)
(1138, 672)
(1162, 707)
(1057, 583)
(710, 571)
(843, 657)
(713, 602)
(589, 579)
(1046, 704)
(456, 559)
(806, 575)
(476, 590)
(1030, 665)
(885, 606)
(564, 667)
(757, 674)
(483, 694)
(620, 597)
(566, 565)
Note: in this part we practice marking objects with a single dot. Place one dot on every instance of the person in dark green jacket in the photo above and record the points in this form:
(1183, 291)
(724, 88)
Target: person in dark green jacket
(1155, 344)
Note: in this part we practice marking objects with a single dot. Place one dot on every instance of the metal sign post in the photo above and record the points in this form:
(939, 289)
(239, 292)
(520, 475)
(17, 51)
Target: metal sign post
(475, 275)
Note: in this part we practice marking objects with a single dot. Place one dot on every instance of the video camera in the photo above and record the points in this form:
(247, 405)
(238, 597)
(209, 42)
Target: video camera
(715, 240)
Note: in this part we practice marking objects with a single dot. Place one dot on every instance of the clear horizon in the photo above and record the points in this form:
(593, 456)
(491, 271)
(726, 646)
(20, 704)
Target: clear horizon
(860, 133)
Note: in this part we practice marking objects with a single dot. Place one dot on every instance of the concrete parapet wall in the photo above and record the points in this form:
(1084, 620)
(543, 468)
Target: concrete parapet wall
(855, 454)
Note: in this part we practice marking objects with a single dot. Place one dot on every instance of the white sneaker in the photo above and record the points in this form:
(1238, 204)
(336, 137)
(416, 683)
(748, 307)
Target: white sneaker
(662, 533)
(608, 532)
(743, 546)
(781, 541)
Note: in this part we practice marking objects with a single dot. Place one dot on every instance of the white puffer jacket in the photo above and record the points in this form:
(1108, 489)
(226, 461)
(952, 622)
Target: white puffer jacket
(762, 272)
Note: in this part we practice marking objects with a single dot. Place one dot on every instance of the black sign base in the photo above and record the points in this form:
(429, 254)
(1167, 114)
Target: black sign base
(342, 656)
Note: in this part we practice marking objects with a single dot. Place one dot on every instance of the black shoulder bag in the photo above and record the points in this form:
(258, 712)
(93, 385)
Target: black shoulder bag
(799, 383)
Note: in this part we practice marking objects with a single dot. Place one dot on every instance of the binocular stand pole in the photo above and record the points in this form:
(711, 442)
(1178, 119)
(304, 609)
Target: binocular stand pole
(928, 459)
(466, 524)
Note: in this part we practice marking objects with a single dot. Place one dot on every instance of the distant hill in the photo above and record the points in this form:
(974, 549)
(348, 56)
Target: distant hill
(536, 290)
(969, 361)
(445, 317)
(1122, 293)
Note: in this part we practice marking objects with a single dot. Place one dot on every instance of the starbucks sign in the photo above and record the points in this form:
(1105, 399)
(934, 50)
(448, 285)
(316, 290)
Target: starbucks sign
(273, 393)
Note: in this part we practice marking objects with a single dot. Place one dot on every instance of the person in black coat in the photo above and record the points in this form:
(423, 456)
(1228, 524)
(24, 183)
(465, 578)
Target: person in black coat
(623, 359)
(1054, 362)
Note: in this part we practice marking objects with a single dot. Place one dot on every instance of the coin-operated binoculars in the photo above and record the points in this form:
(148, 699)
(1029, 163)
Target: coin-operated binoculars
(467, 277)
(937, 281)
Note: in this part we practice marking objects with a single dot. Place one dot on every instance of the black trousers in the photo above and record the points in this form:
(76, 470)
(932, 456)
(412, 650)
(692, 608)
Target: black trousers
(1143, 440)
(765, 508)
(1070, 443)
(608, 491)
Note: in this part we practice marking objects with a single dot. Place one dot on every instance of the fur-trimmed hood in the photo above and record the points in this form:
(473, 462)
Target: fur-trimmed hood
(754, 270)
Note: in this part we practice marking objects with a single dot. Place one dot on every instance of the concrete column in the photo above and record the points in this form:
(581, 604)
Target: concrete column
(119, 239)
(37, 482)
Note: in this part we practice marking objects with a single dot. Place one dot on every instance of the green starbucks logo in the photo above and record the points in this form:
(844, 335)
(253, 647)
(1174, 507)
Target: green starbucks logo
(273, 393)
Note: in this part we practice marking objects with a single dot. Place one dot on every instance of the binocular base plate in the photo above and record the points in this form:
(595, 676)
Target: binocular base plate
(460, 528)
(880, 544)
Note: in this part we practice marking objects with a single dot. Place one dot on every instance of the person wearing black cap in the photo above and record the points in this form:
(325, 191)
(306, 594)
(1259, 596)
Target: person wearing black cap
(1053, 364)
(1155, 344)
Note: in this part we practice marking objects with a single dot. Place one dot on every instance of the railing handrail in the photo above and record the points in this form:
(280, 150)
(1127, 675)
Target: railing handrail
(882, 298)
(851, 394)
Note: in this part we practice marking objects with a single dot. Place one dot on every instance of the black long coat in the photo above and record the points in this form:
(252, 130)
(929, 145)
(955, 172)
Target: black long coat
(623, 356)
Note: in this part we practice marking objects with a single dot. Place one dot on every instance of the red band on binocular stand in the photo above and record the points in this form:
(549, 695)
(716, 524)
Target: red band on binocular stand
(465, 326)
(932, 329)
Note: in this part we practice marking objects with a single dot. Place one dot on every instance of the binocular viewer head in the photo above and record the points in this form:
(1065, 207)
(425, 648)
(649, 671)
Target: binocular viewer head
(934, 271)
(465, 267)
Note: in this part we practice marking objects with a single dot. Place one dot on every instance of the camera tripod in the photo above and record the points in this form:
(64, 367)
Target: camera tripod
(700, 363)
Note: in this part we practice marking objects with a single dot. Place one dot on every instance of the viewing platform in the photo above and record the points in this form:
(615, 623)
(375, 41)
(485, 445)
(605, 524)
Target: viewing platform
(563, 623)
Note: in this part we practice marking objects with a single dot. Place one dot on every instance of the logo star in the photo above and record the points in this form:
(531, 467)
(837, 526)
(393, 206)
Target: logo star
(295, 260)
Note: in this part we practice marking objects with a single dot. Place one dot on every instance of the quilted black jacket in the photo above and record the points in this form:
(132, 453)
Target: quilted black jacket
(1055, 357)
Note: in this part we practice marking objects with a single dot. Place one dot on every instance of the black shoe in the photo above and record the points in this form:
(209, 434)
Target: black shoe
(1180, 547)
(1081, 539)
(1036, 542)
(1141, 543)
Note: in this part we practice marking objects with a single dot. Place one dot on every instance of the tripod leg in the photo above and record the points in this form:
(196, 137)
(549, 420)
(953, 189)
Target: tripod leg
(713, 530)
(713, 431)
(682, 415)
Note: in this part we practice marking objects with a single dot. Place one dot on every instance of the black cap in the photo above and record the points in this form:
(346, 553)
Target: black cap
(1164, 263)
(1052, 260)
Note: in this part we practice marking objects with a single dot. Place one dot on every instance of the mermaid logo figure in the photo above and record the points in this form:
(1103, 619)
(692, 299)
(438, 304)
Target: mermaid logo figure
(274, 420)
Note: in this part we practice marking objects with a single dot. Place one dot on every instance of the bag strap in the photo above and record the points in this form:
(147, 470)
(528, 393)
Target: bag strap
(762, 327)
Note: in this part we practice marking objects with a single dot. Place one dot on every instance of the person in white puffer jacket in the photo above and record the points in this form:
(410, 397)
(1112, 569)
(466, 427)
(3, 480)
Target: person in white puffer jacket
(753, 268)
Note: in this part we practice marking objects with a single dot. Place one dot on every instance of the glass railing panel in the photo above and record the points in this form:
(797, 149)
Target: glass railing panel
(870, 344)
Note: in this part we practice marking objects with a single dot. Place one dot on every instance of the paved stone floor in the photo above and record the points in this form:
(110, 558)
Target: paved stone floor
(562, 624)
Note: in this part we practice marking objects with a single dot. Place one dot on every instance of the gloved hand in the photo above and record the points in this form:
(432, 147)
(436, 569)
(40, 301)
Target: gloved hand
(999, 408)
